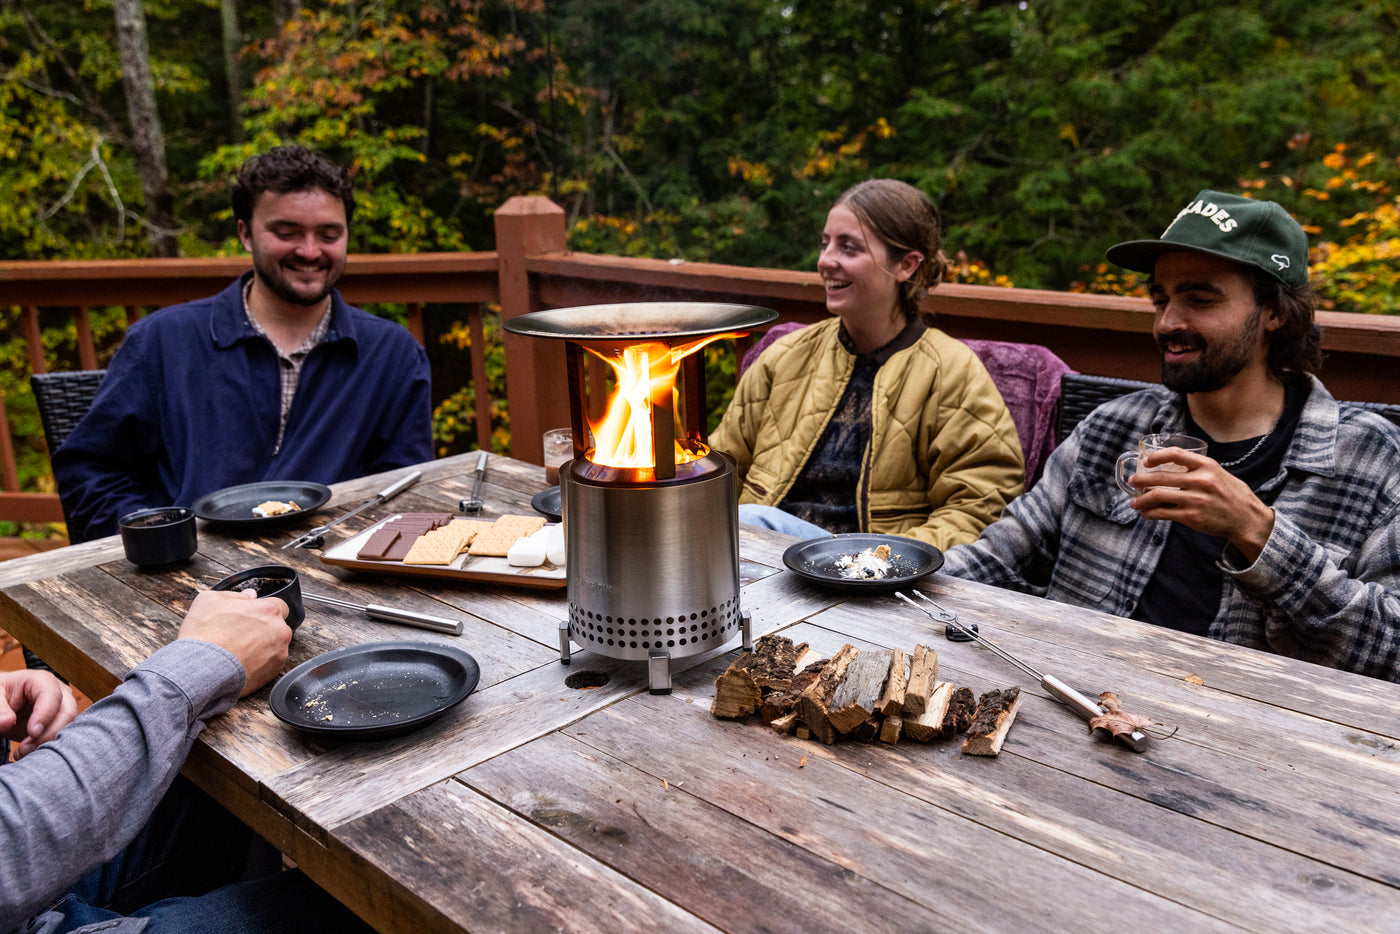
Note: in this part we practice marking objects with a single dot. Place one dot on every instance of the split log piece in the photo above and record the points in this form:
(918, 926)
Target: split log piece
(773, 661)
(867, 730)
(784, 724)
(815, 701)
(961, 706)
(928, 726)
(890, 729)
(923, 678)
(736, 695)
(892, 700)
(996, 711)
(778, 704)
(858, 695)
(770, 666)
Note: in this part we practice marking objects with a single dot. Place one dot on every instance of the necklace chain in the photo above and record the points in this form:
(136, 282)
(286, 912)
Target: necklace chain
(1250, 453)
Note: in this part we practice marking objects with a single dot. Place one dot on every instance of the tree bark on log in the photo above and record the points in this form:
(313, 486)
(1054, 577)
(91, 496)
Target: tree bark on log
(858, 695)
(996, 711)
(815, 701)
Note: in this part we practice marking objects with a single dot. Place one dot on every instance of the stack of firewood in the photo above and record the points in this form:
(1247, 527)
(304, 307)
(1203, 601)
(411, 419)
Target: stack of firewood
(861, 695)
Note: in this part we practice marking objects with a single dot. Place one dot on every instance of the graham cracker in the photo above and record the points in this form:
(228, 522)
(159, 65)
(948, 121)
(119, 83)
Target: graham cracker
(504, 532)
(430, 550)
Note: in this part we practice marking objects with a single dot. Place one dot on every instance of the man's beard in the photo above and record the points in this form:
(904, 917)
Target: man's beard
(272, 276)
(1216, 365)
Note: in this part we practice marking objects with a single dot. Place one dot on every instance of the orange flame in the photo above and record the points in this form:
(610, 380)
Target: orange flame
(646, 378)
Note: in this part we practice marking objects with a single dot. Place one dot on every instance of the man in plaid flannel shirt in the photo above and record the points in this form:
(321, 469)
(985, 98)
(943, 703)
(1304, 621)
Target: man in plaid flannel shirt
(1283, 536)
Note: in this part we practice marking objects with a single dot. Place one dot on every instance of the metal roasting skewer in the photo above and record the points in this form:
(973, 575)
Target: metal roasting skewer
(388, 614)
(1137, 741)
(473, 505)
(315, 537)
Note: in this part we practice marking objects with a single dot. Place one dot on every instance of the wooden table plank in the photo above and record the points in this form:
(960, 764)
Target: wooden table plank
(1290, 685)
(1282, 804)
(736, 876)
(486, 724)
(1194, 857)
(1229, 722)
(923, 852)
(475, 865)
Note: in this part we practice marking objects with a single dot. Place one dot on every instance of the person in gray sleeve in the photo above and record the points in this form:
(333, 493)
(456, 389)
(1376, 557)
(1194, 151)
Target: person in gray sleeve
(87, 821)
(1283, 534)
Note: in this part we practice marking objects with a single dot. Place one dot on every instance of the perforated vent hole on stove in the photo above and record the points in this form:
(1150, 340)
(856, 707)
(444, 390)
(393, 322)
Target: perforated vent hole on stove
(656, 632)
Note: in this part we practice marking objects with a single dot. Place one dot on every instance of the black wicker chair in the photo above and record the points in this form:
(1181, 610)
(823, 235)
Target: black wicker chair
(64, 399)
(1081, 393)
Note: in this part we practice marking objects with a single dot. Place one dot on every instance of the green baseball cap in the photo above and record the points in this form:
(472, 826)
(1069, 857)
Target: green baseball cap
(1255, 233)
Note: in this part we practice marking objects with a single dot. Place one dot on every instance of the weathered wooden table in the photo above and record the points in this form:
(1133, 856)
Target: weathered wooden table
(535, 806)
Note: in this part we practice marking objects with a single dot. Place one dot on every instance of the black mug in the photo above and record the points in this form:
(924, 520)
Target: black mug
(270, 580)
(158, 538)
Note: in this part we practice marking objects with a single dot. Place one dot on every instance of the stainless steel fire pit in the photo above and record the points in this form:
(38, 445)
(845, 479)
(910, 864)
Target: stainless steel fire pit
(653, 543)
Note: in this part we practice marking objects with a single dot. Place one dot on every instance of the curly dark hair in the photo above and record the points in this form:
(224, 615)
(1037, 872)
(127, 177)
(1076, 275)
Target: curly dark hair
(290, 168)
(906, 221)
(1296, 344)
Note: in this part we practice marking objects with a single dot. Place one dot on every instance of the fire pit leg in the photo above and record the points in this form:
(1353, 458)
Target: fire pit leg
(744, 626)
(659, 671)
(564, 650)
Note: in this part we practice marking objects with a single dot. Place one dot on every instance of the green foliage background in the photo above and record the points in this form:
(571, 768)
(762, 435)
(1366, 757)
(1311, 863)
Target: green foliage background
(717, 130)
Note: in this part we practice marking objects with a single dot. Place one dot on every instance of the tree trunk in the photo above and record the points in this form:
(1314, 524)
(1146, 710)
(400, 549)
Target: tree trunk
(147, 138)
(284, 11)
(233, 41)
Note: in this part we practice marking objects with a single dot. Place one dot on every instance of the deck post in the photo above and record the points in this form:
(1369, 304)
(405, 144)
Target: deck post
(536, 392)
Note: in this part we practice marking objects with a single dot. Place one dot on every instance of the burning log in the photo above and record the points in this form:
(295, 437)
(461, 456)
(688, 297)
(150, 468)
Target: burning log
(995, 712)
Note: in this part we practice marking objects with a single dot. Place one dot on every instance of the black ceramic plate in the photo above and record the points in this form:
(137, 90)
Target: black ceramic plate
(373, 691)
(234, 505)
(816, 560)
(547, 504)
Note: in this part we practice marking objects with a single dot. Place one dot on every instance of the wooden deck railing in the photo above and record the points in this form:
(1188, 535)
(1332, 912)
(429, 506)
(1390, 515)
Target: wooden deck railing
(530, 269)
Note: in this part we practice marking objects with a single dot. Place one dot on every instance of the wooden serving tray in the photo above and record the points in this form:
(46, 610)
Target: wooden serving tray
(464, 567)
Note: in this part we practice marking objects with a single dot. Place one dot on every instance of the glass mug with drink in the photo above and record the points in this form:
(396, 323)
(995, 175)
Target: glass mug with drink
(558, 450)
(1128, 461)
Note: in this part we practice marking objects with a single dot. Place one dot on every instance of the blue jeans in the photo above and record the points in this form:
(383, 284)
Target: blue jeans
(771, 517)
(194, 869)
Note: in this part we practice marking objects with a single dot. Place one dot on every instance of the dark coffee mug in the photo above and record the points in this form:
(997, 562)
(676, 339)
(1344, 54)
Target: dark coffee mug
(270, 580)
(158, 538)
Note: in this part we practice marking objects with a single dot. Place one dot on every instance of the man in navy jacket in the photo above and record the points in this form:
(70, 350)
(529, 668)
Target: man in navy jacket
(275, 378)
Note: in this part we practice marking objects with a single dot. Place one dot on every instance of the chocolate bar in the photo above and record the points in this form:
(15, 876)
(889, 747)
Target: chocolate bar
(378, 544)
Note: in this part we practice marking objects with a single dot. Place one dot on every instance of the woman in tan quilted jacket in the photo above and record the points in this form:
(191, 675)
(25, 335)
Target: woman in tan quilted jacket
(872, 421)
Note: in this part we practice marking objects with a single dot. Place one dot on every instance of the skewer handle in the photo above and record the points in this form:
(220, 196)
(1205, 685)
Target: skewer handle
(398, 486)
(1137, 741)
(453, 627)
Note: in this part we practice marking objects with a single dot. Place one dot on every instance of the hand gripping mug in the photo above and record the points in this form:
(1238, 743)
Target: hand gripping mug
(1128, 462)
